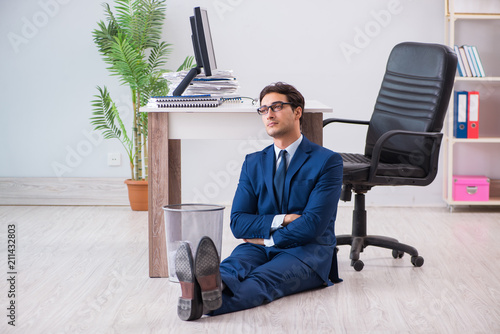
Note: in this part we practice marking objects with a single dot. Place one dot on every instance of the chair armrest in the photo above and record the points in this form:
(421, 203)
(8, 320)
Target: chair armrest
(341, 120)
(433, 151)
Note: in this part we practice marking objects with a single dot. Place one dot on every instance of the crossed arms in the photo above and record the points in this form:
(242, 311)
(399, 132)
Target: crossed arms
(314, 207)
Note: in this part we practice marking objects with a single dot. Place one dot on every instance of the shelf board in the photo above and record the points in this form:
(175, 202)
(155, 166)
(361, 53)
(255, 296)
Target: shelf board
(476, 140)
(477, 78)
(492, 201)
(474, 16)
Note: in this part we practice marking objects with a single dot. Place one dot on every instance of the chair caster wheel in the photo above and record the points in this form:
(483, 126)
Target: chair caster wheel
(397, 254)
(417, 261)
(358, 265)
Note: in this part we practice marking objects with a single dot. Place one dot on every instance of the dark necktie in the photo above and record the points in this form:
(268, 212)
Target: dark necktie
(279, 178)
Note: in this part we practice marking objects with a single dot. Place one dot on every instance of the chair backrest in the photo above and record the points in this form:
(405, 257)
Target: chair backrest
(414, 96)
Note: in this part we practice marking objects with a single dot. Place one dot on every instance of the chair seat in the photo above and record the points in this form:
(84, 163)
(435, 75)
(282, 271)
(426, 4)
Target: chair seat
(357, 168)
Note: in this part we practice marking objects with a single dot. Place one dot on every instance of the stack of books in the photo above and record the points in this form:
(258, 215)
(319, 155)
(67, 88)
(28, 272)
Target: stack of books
(220, 83)
(469, 62)
(189, 101)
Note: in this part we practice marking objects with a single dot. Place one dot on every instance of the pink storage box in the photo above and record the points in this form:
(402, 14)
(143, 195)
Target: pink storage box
(471, 188)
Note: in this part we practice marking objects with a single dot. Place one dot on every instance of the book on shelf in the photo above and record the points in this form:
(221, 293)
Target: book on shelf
(460, 114)
(469, 62)
(460, 63)
(479, 62)
(473, 115)
(466, 114)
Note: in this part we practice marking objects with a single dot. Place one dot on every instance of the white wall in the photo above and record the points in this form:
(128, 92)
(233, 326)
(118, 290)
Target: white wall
(50, 67)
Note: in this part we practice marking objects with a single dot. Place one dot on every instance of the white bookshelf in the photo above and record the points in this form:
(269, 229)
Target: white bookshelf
(486, 148)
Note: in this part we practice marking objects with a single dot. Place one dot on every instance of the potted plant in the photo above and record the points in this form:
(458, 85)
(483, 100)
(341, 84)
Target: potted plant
(130, 44)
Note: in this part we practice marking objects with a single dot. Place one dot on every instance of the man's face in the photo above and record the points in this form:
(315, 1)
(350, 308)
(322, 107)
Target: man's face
(279, 123)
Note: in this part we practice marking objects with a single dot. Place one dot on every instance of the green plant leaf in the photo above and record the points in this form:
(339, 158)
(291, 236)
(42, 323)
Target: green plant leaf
(127, 63)
(187, 64)
(106, 119)
(158, 56)
(142, 20)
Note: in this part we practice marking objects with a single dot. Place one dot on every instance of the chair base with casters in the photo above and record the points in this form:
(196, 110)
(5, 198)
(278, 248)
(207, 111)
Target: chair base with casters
(359, 240)
(403, 138)
(361, 174)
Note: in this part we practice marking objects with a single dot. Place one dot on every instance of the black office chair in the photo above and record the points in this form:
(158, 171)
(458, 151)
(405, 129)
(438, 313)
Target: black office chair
(403, 138)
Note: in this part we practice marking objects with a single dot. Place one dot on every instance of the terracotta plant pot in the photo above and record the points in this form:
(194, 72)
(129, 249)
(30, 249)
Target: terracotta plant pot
(138, 194)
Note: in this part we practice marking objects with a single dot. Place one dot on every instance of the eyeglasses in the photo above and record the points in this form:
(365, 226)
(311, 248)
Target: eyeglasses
(276, 106)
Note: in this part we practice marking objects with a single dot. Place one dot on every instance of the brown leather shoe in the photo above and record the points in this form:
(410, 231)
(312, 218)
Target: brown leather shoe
(206, 270)
(190, 305)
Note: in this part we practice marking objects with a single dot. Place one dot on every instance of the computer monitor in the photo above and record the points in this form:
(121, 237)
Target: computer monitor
(205, 40)
(203, 49)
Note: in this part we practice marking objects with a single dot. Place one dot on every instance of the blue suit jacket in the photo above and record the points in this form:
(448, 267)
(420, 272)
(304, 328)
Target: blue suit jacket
(312, 190)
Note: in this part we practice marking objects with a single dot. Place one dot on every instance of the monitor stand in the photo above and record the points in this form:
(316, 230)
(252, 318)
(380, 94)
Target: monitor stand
(187, 80)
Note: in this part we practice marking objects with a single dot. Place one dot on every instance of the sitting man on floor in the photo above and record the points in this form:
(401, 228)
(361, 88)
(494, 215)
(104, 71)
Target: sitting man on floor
(284, 211)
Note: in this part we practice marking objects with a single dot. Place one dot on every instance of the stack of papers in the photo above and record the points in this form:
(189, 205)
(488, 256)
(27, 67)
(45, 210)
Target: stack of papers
(221, 83)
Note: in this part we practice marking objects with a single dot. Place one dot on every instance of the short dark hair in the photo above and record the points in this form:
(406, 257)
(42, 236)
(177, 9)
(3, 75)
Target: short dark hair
(292, 94)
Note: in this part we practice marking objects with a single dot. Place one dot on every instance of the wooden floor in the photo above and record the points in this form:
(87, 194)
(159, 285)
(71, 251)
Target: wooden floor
(85, 270)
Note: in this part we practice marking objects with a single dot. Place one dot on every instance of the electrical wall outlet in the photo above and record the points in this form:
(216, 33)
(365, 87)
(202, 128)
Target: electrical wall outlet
(114, 159)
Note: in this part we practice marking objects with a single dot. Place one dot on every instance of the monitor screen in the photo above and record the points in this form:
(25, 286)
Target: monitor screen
(194, 39)
(206, 47)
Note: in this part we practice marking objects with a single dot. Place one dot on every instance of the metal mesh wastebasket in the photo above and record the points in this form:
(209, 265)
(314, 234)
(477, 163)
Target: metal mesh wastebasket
(191, 222)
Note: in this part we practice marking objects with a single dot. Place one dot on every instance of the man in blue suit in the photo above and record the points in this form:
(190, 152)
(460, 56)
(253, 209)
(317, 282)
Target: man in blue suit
(284, 210)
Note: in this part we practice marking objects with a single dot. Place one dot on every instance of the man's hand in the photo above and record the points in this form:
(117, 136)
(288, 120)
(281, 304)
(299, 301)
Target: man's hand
(289, 218)
(255, 241)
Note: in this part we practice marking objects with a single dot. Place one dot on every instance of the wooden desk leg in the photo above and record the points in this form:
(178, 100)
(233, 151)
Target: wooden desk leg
(312, 127)
(164, 188)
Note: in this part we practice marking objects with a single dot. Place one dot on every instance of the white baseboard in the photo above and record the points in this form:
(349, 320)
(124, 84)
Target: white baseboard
(63, 191)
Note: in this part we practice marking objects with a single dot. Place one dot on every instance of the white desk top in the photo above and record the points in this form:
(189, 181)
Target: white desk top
(236, 107)
(228, 121)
